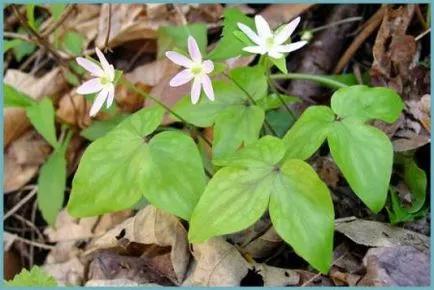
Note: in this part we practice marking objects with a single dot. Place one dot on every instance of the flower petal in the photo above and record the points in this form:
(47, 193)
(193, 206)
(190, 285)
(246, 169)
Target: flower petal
(112, 73)
(207, 87)
(291, 47)
(181, 78)
(193, 49)
(262, 27)
(104, 63)
(208, 66)
(89, 87)
(195, 90)
(249, 32)
(286, 32)
(179, 59)
(255, 49)
(91, 67)
(275, 54)
(110, 96)
(98, 102)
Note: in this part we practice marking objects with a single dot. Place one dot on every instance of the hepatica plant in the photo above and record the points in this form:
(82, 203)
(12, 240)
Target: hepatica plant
(252, 170)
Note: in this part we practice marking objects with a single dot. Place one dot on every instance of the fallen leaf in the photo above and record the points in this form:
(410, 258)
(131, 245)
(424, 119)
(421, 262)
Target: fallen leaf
(22, 160)
(74, 110)
(116, 283)
(327, 171)
(377, 234)
(152, 73)
(218, 263)
(151, 226)
(109, 266)
(15, 120)
(396, 266)
(265, 245)
(394, 51)
(277, 14)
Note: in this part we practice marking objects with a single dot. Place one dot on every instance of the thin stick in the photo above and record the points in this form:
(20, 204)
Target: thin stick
(107, 37)
(21, 203)
(370, 27)
(59, 22)
(420, 36)
(19, 36)
(30, 224)
(28, 242)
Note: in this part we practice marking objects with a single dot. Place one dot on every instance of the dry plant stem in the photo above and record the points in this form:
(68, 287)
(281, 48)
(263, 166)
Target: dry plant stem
(21, 203)
(30, 225)
(107, 37)
(420, 36)
(19, 36)
(370, 27)
(343, 21)
(59, 22)
(41, 41)
(266, 123)
(32, 243)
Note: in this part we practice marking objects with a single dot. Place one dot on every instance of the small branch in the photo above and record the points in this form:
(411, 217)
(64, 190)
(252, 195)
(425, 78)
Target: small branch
(420, 36)
(28, 242)
(19, 36)
(59, 22)
(31, 194)
(107, 37)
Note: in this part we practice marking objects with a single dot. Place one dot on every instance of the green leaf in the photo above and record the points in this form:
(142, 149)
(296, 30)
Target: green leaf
(273, 102)
(236, 126)
(9, 44)
(51, 186)
(218, 68)
(24, 48)
(365, 156)
(280, 63)
(233, 200)
(176, 179)
(30, 12)
(309, 132)
(109, 176)
(398, 214)
(301, 210)
(167, 170)
(252, 80)
(99, 129)
(57, 10)
(229, 45)
(35, 278)
(416, 180)
(73, 43)
(41, 115)
(176, 36)
(14, 98)
(367, 103)
(280, 121)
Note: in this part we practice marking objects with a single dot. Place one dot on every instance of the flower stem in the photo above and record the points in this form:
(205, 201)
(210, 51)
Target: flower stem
(324, 80)
(266, 123)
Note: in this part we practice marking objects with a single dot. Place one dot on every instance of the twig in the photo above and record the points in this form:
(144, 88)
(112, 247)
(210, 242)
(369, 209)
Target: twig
(107, 37)
(19, 36)
(59, 22)
(21, 203)
(42, 41)
(28, 242)
(340, 22)
(420, 36)
(30, 224)
(370, 27)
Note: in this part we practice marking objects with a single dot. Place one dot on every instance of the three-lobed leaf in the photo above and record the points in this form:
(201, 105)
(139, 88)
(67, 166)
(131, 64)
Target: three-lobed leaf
(300, 204)
(118, 169)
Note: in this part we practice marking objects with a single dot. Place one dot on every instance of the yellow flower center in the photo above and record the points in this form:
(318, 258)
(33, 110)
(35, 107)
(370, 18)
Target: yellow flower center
(196, 69)
(270, 42)
(104, 80)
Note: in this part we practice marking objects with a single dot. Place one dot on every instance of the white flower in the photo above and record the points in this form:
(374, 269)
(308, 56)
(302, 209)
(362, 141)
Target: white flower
(196, 70)
(268, 42)
(102, 83)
